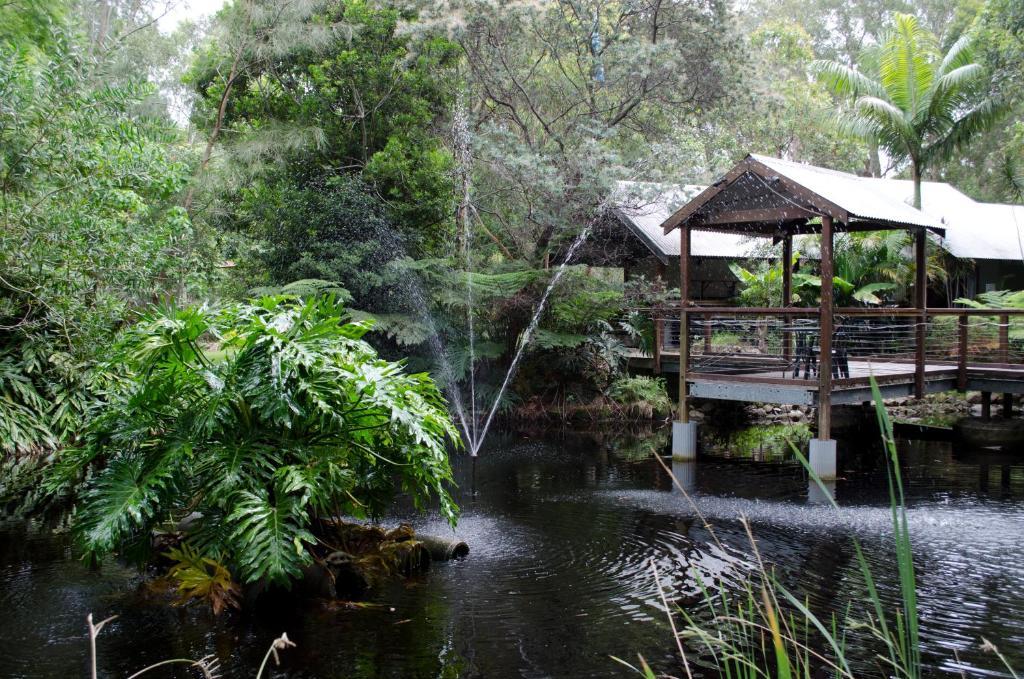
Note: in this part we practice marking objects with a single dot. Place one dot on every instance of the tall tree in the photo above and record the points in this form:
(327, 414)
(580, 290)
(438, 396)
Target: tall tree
(569, 96)
(993, 168)
(923, 106)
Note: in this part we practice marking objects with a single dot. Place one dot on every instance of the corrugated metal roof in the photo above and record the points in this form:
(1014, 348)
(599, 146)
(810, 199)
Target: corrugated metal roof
(973, 230)
(860, 198)
(644, 207)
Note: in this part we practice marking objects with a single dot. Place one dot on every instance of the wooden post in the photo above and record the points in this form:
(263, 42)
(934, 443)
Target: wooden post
(659, 339)
(921, 303)
(986, 404)
(961, 359)
(707, 334)
(684, 319)
(1007, 406)
(825, 330)
(1004, 338)
(787, 293)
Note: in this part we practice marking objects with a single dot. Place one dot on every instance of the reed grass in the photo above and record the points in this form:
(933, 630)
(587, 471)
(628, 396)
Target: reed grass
(207, 667)
(764, 630)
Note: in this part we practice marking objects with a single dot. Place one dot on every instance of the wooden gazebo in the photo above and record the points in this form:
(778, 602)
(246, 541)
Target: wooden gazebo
(768, 197)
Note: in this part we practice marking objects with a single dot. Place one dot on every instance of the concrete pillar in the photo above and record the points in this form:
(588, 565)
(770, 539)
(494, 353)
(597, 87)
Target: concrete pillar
(686, 474)
(684, 441)
(815, 495)
(823, 459)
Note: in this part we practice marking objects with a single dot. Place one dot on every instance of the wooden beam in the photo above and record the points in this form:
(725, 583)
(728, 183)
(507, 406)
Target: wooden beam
(825, 330)
(1004, 338)
(920, 303)
(659, 340)
(787, 291)
(744, 216)
(961, 371)
(684, 320)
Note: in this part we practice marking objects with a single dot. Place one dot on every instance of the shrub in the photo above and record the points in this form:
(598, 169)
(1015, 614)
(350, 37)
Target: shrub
(641, 396)
(296, 418)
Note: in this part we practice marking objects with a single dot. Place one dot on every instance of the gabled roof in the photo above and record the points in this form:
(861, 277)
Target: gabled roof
(643, 207)
(760, 194)
(967, 229)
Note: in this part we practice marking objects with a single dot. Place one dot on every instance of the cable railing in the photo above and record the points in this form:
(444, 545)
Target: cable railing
(785, 344)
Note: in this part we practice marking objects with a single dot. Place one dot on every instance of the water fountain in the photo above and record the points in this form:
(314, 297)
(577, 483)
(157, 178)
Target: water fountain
(475, 435)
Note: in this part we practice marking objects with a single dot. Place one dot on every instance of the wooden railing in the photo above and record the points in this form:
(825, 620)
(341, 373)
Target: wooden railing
(919, 337)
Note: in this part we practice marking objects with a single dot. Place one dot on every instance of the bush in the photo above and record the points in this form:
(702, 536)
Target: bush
(641, 396)
(261, 417)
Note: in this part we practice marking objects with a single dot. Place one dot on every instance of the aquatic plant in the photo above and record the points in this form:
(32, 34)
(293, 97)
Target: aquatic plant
(292, 417)
(207, 667)
(766, 630)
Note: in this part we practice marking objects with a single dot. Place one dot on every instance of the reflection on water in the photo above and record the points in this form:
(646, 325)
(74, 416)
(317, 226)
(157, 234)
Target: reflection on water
(562, 529)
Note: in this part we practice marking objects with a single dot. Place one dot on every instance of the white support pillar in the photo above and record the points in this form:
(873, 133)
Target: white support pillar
(686, 475)
(823, 459)
(684, 441)
(817, 496)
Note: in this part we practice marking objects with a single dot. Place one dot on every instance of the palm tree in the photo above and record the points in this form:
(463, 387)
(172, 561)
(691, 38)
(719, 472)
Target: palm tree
(922, 106)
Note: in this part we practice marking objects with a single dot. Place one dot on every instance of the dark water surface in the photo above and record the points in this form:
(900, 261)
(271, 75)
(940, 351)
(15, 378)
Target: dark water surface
(562, 530)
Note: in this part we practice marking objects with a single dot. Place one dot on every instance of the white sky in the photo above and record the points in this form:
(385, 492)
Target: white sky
(180, 10)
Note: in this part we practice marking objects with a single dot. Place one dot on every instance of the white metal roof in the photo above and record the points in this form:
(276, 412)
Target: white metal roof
(643, 207)
(973, 230)
(860, 198)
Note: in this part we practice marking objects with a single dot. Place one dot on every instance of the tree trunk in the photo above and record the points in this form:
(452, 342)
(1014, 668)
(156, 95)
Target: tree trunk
(215, 133)
(874, 164)
(915, 175)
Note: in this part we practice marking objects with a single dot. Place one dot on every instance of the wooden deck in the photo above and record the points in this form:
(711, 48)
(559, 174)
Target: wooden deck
(727, 378)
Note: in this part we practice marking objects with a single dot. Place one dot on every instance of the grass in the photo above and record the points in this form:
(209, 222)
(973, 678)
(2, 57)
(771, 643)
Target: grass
(766, 631)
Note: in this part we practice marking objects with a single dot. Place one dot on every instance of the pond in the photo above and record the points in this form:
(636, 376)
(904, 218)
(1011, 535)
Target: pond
(562, 528)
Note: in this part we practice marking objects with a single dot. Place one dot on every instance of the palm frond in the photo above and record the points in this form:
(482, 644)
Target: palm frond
(892, 128)
(905, 69)
(978, 119)
(960, 54)
(843, 80)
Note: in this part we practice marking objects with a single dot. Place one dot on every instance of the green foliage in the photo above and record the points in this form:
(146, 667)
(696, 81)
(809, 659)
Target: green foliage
(762, 286)
(332, 229)
(89, 230)
(293, 417)
(321, 90)
(306, 287)
(202, 578)
(641, 395)
(997, 299)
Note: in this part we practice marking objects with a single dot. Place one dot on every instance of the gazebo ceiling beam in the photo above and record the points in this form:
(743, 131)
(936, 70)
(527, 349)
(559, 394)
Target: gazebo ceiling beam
(745, 216)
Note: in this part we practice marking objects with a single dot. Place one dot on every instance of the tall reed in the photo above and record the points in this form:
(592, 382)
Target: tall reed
(765, 630)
